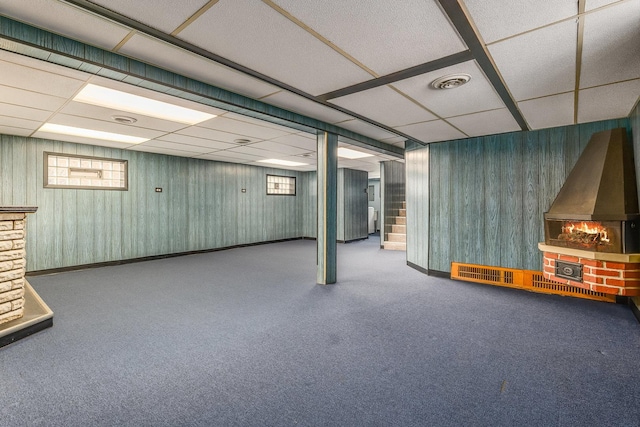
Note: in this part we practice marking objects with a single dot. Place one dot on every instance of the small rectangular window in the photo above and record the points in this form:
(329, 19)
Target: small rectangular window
(281, 185)
(73, 171)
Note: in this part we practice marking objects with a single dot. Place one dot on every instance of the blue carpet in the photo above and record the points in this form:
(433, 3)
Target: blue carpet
(245, 337)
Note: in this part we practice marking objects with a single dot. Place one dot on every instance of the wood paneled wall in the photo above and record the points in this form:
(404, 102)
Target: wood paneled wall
(417, 193)
(352, 209)
(634, 120)
(352, 205)
(201, 206)
(487, 195)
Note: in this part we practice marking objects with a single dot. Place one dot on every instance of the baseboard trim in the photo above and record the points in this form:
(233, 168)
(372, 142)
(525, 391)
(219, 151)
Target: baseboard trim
(23, 333)
(441, 274)
(151, 258)
(353, 240)
(634, 308)
(417, 267)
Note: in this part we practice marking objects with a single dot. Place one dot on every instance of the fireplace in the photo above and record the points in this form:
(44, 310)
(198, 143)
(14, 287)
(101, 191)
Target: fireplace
(592, 229)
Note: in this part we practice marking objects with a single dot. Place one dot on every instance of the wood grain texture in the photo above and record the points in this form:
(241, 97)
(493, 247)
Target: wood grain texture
(355, 203)
(487, 195)
(201, 206)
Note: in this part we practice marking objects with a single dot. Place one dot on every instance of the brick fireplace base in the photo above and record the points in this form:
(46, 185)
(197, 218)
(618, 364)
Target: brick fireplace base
(613, 274)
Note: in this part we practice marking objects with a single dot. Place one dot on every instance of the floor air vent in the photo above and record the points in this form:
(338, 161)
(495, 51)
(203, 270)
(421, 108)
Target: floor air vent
(528, 280)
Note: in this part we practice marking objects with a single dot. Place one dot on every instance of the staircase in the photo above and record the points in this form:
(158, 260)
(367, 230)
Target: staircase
(397, 239)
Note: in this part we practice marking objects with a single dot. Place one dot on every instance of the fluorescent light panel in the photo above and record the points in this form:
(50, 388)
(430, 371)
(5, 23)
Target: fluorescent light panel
(282, 162)
(123, 101)
(348, 153)
(90, 133)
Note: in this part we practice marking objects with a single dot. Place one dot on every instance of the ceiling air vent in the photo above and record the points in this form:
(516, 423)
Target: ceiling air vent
(242, 141)
(451, 81)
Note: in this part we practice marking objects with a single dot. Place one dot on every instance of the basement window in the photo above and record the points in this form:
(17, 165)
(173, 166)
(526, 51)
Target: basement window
(85, 172)
(281, 185)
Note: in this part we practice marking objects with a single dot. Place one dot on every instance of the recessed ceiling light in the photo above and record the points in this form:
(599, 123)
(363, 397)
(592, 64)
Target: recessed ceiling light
(450, 81)
(123, 101)
(242, 141)
(348, 153)
(125, 120)
(90, 133)
(282, 162)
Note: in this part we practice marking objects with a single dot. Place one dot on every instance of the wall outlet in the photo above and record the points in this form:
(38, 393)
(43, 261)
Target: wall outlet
(158, 189)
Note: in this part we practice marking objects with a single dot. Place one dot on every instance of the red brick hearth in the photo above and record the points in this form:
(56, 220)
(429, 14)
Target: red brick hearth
(613, 274)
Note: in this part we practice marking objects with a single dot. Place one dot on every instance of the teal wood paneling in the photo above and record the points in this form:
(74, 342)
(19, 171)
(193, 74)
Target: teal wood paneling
(309, 190)
(327, 183)
(340, 206)
(488, 195)
(634, 119)
(417, 194)
(355, 204)
(201, 206)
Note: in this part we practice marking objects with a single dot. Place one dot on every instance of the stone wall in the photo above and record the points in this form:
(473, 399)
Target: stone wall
(12, 266)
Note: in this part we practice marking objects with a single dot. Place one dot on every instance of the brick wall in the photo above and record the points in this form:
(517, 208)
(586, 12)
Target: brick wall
(615, 278)
(12, 266)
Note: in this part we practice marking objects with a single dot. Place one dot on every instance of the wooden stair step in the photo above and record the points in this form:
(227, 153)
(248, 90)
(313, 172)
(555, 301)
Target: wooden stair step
(401, 220)
(396, 237)
(395, 246)
(402, 212)
(398, 228)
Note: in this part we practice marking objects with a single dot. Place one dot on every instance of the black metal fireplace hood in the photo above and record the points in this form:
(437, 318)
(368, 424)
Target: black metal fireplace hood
(602, 184)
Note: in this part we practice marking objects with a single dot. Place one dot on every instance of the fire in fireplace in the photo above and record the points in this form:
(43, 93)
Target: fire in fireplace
(595, 236)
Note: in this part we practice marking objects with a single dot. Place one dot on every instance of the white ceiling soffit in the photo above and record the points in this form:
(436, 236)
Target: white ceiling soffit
(549, 111)
(437, 130)
(394, 36)
(476, 95)
(535, 64)
(164, 55)
(384, 105)
(292, 102)
(365, 128)
(163, 15)
(263, 43)
(486, 123)
(611, 53)
(498, 19)
(55, 16)
(608, 102)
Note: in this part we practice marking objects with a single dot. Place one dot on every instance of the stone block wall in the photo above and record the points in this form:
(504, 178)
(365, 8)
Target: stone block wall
(12, 266)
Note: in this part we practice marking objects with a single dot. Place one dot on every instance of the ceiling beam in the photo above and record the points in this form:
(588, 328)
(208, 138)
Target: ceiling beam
(458, 17)
(175, 41)
(417, 70)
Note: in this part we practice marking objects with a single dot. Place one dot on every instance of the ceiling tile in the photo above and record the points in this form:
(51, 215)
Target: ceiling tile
(234, 153)
(608, 102)
(158, 143)
(497, 19)
(550, 111)
(212, 134)
(394, 36)
(477, 95)
(279, 148)
(385, 106)
(12, 130)
(611, 53)
(594, 4)
(164, 15)
(539, 63)
(218, 157)
(365, 129)
(161, 150)
(486, 123)
(81, 109)
(19, 123)
(24, 112)
(179, 61)
(292, 102)
(250, 151)
(89, 123)
(22, 77)
(26, 98)
(56, 16)
(263, 43)
(300, 140)
(437, 130)
(43, 65)
(198, 142)
(247, 127)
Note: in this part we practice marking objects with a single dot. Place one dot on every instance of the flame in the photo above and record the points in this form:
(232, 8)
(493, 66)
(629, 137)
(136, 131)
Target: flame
(600, 233)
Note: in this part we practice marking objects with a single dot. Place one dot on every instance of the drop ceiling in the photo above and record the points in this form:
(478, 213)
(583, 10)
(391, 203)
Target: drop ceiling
(365, 66)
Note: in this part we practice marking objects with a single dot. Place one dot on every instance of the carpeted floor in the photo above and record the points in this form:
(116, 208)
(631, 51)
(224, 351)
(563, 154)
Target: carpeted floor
(246, 338)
